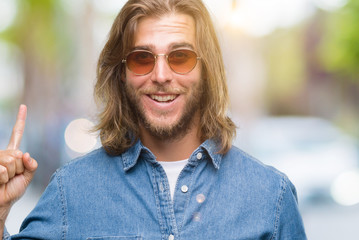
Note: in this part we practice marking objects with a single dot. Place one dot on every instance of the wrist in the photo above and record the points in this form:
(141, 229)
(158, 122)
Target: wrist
(4, 212)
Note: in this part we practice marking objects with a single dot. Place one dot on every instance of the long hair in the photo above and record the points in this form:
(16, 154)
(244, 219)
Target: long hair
(118, 125)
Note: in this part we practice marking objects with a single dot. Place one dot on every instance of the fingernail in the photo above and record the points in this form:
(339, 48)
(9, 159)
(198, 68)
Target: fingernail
(30, 159)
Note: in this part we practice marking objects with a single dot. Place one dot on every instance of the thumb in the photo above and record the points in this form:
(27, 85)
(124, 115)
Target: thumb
(30, 165)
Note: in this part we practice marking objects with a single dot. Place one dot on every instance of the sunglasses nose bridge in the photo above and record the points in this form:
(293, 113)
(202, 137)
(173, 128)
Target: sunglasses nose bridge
(162, 71)
(160, 55)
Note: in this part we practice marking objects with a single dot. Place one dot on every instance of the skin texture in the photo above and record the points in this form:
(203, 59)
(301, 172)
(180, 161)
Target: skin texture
(164, 125)
(16, 169)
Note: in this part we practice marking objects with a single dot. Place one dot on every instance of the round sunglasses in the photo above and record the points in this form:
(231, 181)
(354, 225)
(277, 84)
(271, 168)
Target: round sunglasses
(142, 62)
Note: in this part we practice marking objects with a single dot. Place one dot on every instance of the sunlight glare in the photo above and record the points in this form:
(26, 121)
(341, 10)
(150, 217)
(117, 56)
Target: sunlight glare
(77, 136)
(345, 189)
(330, 5)
(7, 13)
(260, 18)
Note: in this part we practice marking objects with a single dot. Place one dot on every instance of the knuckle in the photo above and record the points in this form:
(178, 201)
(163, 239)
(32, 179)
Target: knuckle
(4, 177)
(17, 131)
(3, 171)
(3, 153)
(9, 160)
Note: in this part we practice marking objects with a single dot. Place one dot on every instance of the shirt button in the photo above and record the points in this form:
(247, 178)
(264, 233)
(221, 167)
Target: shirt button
(171, 237)
(184, 188)
(199, 156)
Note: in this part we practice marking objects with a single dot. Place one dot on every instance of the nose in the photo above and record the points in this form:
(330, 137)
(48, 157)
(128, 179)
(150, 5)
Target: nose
(162, 72)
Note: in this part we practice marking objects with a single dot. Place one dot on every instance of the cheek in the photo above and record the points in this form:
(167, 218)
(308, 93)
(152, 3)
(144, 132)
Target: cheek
(134, 80)
(193, 80)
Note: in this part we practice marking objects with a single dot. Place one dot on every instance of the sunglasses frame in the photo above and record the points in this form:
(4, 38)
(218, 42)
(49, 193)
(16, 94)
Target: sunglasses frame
(158, 55)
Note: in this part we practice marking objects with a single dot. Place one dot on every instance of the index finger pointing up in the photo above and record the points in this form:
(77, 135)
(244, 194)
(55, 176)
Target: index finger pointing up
(18, 129)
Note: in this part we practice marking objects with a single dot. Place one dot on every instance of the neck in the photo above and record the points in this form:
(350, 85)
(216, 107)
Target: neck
(172, 150)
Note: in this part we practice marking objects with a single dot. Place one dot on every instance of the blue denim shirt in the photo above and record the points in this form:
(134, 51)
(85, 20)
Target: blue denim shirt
(127, 197)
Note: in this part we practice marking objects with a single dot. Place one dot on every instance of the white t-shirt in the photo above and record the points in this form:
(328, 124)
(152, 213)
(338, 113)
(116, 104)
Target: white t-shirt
(173, 169)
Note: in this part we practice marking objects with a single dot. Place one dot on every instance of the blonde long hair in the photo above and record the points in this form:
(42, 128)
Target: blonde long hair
(118, 124)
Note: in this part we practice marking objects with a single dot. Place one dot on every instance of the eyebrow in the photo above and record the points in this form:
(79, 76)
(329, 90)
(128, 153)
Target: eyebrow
(173, 46)
(181, 45)
(148, 48)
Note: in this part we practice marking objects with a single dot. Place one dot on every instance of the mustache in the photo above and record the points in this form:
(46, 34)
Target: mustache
(161, 89)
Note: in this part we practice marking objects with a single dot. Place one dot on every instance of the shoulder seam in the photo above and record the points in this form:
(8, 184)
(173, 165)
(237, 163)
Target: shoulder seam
(63, 203)
(283, 188)
(73, 161)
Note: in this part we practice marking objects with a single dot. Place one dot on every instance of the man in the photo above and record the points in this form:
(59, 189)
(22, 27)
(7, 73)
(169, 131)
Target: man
(167, 169)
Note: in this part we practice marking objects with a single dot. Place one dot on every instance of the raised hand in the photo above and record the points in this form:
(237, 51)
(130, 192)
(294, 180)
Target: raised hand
(16, 169)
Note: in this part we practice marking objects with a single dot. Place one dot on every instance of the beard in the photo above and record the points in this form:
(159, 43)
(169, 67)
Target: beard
(168, 132)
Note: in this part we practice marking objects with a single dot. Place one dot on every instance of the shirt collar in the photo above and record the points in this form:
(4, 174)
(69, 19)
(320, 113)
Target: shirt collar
(212, 149)
(131, 156)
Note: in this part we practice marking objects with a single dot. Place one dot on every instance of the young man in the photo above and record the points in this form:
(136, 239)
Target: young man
(167, 169)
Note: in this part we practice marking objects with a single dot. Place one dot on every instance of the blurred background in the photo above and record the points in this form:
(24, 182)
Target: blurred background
(293, 75)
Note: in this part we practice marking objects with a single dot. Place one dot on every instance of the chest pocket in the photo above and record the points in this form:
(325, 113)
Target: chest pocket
(115, 238)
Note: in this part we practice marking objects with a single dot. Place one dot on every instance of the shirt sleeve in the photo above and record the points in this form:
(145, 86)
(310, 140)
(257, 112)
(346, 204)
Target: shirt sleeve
(48, 219)
(289, 223)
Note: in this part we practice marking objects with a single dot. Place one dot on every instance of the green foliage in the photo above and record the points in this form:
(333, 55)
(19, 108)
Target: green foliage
(339, 51)
(286, 65)
(37, 29)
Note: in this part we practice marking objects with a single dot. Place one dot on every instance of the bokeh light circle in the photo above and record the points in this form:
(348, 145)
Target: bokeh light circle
(345, 188)
(77, 136)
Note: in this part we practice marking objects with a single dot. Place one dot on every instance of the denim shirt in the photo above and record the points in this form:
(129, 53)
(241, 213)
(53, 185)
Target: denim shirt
(127, 197)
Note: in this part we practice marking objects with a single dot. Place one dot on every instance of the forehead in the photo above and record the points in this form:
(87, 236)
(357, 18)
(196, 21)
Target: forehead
(165, 32)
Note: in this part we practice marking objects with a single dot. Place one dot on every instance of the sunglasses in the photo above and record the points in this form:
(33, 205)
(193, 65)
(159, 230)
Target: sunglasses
(142, 62)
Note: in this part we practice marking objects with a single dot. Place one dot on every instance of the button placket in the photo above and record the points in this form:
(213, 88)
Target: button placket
(184, 188)
(163, 199)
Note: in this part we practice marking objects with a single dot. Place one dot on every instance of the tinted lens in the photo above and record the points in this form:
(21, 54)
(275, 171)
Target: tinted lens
(140, 62)
(182, 61)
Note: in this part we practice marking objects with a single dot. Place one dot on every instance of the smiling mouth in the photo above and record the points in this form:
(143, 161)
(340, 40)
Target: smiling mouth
(163, 98)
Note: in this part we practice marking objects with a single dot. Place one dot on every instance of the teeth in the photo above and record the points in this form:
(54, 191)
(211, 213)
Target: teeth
(165, 98)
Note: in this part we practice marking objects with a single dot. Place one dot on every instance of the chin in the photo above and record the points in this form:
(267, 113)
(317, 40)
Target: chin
(162, 126)
(163, 121)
